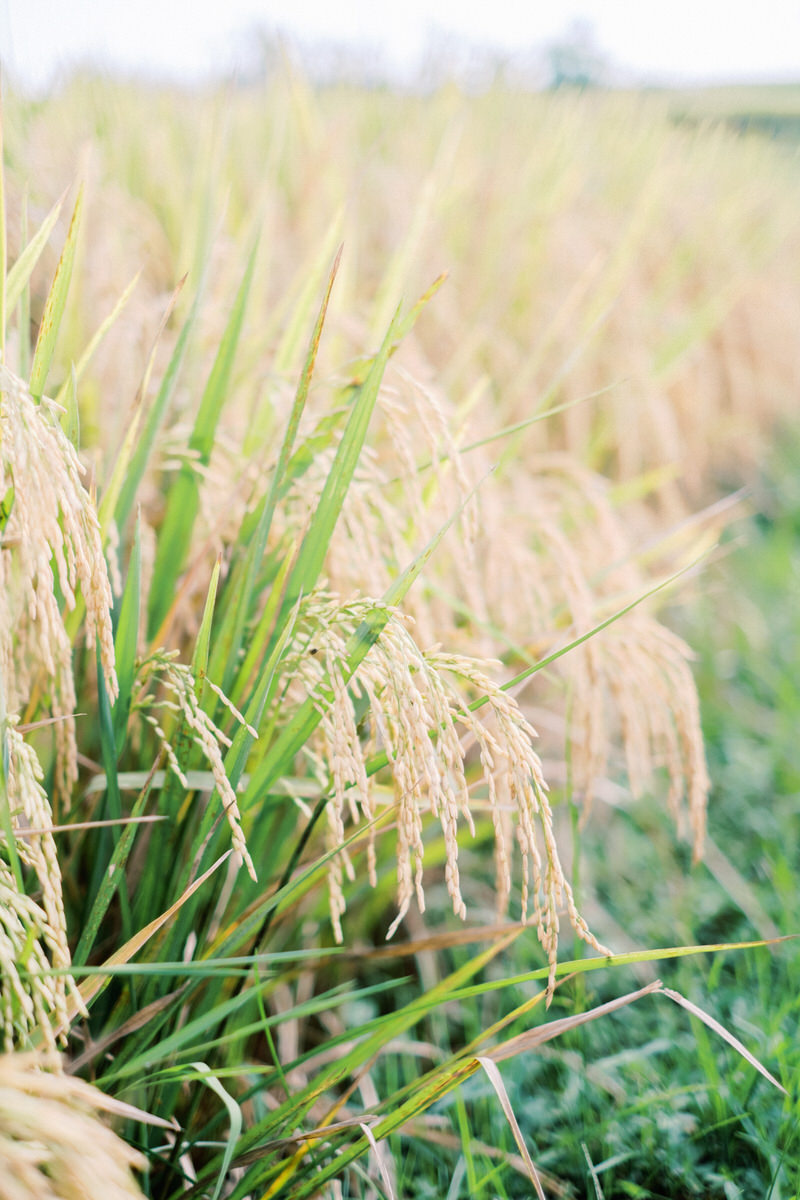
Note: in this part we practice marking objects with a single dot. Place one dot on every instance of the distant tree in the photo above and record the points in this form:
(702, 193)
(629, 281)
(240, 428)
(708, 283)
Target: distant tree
(575, 60)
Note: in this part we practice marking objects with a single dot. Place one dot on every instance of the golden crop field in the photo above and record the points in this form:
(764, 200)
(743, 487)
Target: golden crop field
(357, 451)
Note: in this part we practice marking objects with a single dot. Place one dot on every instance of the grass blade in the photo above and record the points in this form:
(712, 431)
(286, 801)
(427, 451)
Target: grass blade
(91, 987)
(112, 877)
(20, 274)
(713, 1024)
(305, 720)
(584, 637)
(200, 656)
(314, 547)
(176, 532)
(143, 445)
(54, 306)
(496, 1080)
(126, 638)
(112, 808)
(99, 334)
(234, 1116)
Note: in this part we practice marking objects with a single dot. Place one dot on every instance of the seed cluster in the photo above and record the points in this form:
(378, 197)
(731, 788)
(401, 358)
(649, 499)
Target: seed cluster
(178, 695)
(49, 549)
(416, 713)
(52, 1142)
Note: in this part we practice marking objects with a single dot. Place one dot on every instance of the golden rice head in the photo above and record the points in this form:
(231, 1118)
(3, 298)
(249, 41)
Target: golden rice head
(53, 523)
(556, 570)
(170, 692)
(416, 713)
(541, 550)
(53, 1144)
(30, 1002)
(641, 678)
(33, 931)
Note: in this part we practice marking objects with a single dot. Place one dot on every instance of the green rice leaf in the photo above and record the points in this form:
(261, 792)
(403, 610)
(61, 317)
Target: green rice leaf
(20, 274)
(291, 341)
(95, 984)
(54, 306)
(258, 640)
(200, 656)
(112, 808)
(185, 1036)
(305, 720)
(126, 638)
(349, 1062)
(176, 532)
(142, 445)
(99, 334)
(234, 1118)
(584, 637)
(6, 507)
(111, 878)
(239, 750)
(68, 398)
(311, 556)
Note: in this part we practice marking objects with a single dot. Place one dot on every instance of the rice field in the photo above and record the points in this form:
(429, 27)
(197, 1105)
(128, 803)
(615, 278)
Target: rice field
(370, 468)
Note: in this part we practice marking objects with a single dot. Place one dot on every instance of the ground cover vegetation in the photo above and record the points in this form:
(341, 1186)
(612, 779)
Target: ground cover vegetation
(341, 663)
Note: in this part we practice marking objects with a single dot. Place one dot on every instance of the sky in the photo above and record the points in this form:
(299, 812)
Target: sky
(669, 41)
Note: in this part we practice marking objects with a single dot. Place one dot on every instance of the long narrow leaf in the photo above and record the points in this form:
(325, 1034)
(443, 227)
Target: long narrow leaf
(113, 805)
(176, 532)
(315, 544)
(137, 462)
(496, 1080)
(112, 876)
(201, 648)
(19, 275)
(87, 355)
(311, 275)
(584, 637)
(715, 1025)
(234, 1117)
(54, 306)
(125, 640)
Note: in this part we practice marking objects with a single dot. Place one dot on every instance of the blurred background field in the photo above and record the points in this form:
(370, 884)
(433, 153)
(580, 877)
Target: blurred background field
(613, 362)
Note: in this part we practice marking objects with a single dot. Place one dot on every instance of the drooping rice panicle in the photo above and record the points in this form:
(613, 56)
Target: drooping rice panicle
(417, 716)
(50, 548)
(53, 1142)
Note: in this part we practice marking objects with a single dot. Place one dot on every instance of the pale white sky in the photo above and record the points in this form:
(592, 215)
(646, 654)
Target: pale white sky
(661, 40)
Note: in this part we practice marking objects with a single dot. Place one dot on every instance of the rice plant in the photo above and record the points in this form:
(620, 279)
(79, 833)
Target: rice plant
(282, 597)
